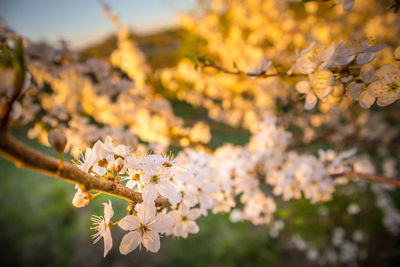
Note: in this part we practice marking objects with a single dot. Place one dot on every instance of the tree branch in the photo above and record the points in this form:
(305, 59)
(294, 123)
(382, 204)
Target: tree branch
(369, 177)
(26, 157)
(261, 74)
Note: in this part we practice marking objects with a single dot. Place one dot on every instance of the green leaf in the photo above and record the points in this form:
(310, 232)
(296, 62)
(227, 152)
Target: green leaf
(19, 66)
(7, 57)
(235, 65)
(194, 60)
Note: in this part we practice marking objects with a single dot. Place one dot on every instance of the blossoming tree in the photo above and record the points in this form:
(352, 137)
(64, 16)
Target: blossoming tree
(263, 67)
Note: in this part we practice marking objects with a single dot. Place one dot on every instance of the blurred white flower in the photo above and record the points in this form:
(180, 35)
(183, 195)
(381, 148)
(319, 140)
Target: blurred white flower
(320, 85)
(387, 86)
(102, 226)
(184, 221)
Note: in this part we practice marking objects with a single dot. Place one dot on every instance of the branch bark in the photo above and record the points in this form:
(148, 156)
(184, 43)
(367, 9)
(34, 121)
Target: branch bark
(26, 157)
(262, 74)
(369, 177)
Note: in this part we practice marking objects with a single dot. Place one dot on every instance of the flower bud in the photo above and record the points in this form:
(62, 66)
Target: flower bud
(118, 164)
(57, 140)
(6, 79)
(397, 53)
(81, 199)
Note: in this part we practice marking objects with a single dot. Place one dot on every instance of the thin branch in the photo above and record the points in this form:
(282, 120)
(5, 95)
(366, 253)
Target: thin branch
(261, 74)
(26, 157)
(369, 177)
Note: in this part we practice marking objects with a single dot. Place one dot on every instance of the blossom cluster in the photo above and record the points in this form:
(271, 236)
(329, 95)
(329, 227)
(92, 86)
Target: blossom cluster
(92, 100)
(340, 68)
(196, 182)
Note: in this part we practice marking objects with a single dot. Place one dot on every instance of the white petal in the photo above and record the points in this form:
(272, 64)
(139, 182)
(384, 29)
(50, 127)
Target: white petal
(169, 190)
(348, 5)
(308, 49)
(149, 193)
(354, 90)
(129, 223)
(386, 98)
(151, 240)
(189, 199)
(365, 58)
(305, 65)
(179, 229)
(303, 87)
(327, 56)
(323, 93)
(108, 211)
(107, 241)
(366, 100)
(311, 100)
(194, 214)
(129, 242)
(15, 111)
(374, 88)
(375, 48)
(146, 212)
(163, 223)
(367, 74)
(192, 227)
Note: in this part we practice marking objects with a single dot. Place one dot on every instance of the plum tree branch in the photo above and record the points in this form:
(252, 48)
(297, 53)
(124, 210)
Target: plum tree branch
(26, 157)
(369, 177)
(260, 74)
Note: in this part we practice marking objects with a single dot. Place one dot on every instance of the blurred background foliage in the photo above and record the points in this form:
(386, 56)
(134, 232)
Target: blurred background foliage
(40, 227)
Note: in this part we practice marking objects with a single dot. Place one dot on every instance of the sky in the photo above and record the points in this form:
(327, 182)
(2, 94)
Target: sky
(82, 22)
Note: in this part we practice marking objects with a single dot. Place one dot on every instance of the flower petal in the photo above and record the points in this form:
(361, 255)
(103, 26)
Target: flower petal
(348, 5)
(179, 229)
(305, 65)
(169, 190)
(367, 74)
(192, 227)
(194, 214)
(311, 100)
(365, 58)
(386, 98)
(107, 238)
(303, 87)
(151, 240)
(163, 223)
(146, 212)
(366, 100)
(354, 90)
(129, 242)
(108, 211)
(129, 223)
(149, 193)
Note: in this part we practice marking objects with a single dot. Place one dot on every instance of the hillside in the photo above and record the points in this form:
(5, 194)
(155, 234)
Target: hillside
(162, 49)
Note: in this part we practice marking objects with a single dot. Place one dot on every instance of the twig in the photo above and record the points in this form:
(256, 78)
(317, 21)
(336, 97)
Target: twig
(26, 157)
(370, 177)
(4, 120)
(261, 74)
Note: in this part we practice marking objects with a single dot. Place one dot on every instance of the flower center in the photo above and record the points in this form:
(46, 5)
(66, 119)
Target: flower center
(155, 179)
(167, 164)
(393, 86)
(143, 228)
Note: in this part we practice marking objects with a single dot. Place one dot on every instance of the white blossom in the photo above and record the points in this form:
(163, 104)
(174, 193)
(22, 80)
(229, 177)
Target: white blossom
(102, 226)
(144, 228)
